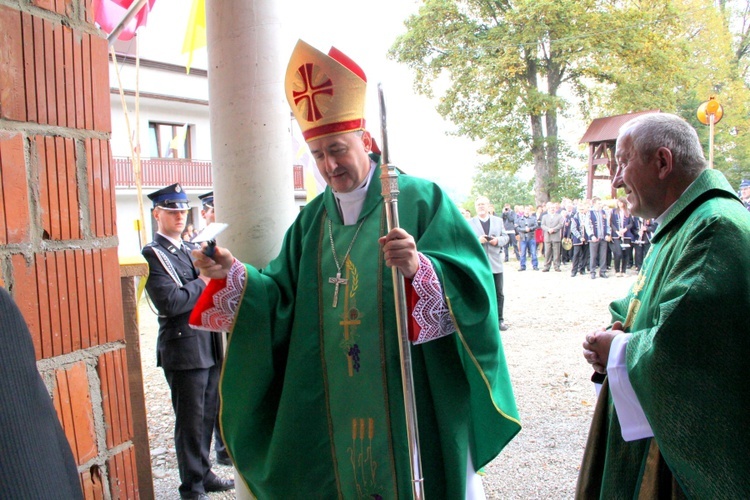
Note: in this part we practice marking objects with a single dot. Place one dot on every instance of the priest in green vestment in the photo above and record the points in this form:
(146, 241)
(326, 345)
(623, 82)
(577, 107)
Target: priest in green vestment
(312, 401)
(673, 416)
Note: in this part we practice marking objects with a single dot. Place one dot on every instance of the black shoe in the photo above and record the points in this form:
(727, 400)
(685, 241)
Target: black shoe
(223, 460)
(545, 270)
(602, 275)
(199, 496)
(503, 326)
(593, 276)
(536, 269)
(573, 274)
(218, 484)
(522, 269)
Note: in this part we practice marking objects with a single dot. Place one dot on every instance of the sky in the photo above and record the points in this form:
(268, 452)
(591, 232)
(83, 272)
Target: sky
(417, 135)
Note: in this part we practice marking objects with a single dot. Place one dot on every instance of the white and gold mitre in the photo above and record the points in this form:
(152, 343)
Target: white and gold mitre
(326, 92)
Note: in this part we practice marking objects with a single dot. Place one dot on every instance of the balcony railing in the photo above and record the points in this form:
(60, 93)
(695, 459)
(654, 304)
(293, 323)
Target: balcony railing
(158, 172)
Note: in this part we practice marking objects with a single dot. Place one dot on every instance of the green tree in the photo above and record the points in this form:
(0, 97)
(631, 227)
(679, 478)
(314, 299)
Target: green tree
(500, 187)
(505, 63)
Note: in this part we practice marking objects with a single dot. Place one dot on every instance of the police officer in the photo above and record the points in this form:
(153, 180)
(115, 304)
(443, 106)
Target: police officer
(189, 358)
(207, 207)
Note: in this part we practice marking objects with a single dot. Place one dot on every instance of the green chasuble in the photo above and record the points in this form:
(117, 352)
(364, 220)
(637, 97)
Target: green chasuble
(312, 405)
(687, 359)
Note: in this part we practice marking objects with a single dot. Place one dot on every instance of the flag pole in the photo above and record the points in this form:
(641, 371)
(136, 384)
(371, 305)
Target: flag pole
(134, 9)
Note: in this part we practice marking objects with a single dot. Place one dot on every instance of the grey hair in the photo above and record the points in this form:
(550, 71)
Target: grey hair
(653, 131)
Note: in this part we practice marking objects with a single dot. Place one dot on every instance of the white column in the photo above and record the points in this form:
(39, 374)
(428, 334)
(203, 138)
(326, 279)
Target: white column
(250, 136)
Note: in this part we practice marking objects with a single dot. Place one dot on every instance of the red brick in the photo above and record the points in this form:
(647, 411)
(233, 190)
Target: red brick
(69, 79)
(88, 99)
(51, 188)
(60, 179)
(59, 59)
(26, 296)
(12, 93)
(122, 474)
(84, 332)
(45, 4)
(74, 221)
(45, 321)
(101, 307)
(54, 302)
(91, 293)
(63, 301)
(39, 165)
(91, 483)
(39, 70)
(28, 62)
(113, 373)
(73, 300)
(100, 89)
(96, 205)
(15, 189)
(108, 189)
(49, 72)
(78, 77)
(113, 295)
(73, 400)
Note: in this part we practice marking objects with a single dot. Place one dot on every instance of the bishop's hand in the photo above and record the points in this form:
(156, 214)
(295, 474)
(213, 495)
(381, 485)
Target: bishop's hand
(216, 267)
(400, 250)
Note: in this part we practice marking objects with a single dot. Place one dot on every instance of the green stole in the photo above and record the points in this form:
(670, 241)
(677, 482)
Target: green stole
(354, 364)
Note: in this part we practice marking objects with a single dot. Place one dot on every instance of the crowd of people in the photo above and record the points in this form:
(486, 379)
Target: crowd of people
(592, 235)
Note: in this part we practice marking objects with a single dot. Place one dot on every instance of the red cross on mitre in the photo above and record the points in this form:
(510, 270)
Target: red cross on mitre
(314, 84)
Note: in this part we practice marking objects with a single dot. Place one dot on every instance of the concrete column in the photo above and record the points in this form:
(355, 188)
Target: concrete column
(250, 135)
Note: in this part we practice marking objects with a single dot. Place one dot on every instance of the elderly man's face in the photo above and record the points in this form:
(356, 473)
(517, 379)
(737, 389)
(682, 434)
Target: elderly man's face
(746, 193)
(342, 159)
(639, 179)
(482, 206)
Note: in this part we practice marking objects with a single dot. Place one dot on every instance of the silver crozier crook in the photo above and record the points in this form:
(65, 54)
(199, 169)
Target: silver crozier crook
(389, 186)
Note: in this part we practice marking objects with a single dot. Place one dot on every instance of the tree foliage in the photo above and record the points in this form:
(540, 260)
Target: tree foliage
(500, 187)
(501, 68)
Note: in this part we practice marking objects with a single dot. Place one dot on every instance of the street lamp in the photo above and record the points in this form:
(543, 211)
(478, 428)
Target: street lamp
(710, 113)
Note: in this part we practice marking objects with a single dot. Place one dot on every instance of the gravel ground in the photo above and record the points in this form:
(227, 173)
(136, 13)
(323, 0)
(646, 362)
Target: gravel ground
(548, 314)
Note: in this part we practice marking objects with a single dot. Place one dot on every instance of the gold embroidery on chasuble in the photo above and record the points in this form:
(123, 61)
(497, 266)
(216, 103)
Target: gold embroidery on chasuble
(354, 368)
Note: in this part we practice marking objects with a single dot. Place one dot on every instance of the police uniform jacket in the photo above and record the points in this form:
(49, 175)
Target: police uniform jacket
(179, 347)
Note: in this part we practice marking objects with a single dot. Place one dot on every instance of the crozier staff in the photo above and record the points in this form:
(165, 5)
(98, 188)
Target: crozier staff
(311, 391)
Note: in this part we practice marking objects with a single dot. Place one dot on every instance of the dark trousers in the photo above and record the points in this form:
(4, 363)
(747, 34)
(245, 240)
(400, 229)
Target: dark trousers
(640, 252)
(622, 255)
(511, 242)
(580, 258)
(598, 256)
(500, 297)
(195, 397)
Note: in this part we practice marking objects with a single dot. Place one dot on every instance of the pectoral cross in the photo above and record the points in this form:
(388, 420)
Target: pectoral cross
(338, 280)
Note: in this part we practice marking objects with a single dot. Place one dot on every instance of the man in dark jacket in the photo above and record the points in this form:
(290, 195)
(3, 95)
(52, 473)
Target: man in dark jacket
(190, 358)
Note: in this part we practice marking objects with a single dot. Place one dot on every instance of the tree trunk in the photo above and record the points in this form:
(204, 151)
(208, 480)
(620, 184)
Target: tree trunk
(541, 194)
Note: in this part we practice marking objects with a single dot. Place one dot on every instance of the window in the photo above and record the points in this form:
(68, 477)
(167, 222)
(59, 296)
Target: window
(169, 140)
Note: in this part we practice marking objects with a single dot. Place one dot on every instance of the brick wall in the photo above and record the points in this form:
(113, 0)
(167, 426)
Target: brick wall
(58, 243)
